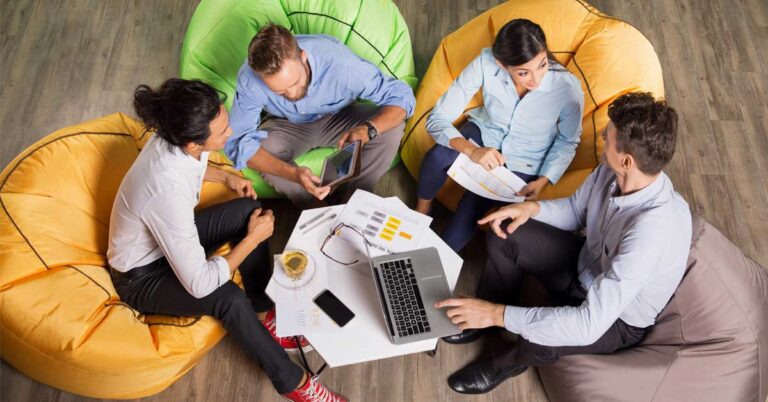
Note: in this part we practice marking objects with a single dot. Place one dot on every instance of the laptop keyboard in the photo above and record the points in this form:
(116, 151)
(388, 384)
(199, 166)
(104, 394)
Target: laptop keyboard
(410, 318)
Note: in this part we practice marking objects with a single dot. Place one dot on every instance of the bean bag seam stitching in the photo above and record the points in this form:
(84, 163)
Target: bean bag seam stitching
(666, 370)
(594, 11)
(741, 310)
(352, 29)
(30, 153)
(592, 115)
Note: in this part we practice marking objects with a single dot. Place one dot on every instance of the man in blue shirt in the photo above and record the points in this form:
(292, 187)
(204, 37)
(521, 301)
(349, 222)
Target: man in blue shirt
(307, 86)
(611, 284)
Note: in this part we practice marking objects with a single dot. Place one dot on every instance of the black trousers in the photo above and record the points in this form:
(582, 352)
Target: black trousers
(550, 255)
(157, 290)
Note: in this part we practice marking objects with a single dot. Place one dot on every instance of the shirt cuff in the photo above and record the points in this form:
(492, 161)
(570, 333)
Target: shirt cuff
(222, 267)
(444, 136)
(514, 319)
(551, 173)
(546, 213)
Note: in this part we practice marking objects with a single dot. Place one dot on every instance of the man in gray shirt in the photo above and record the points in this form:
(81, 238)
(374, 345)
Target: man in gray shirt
(612, 283)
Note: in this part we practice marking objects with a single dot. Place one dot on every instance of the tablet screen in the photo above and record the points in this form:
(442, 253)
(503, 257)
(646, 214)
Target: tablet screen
(339, 164)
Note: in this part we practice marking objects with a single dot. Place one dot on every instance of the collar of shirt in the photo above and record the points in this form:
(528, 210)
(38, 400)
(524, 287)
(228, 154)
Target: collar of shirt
(544, 87)
(313, 71)
(184, 159)
(647, 193)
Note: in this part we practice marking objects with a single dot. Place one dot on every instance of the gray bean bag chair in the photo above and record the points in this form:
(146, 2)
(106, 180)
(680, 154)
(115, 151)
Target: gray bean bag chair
(709, 344)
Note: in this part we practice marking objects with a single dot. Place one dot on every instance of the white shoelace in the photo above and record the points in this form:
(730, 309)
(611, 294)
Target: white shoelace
(316, 392)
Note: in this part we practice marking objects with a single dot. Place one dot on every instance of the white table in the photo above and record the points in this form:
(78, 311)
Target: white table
(365, 338)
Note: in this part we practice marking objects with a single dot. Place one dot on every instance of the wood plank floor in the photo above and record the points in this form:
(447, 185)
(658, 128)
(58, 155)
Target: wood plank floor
(64, 61)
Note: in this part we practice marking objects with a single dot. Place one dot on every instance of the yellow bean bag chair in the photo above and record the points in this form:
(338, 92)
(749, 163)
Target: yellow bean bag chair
(609, 57)
(61, 322)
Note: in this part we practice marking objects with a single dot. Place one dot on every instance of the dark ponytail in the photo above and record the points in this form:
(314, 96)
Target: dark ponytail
(519, 41)
(180, 111)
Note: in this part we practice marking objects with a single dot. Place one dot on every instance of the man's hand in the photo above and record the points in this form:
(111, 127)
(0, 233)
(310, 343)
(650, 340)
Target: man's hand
(261, 225)
(472, 313)
(359, 133)
(532, 190)
(487, 157)
(519, 213)
(311, 183)
(239, 185)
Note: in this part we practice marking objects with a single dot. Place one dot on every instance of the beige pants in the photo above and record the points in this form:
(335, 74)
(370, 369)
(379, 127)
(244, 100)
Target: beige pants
(286, 141)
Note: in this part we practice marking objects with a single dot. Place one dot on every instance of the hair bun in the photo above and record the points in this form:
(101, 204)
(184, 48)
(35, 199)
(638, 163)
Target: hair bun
(145, 102)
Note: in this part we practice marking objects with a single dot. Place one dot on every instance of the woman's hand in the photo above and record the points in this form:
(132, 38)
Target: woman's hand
(240, 185)
(261, 225)
(487, 157)
(532, 190)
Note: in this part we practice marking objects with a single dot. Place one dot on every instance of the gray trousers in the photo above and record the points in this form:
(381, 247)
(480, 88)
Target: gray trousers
(286, 141)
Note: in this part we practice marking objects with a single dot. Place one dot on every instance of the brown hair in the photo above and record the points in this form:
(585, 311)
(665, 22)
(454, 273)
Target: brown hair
(270, 47)
(646, 129)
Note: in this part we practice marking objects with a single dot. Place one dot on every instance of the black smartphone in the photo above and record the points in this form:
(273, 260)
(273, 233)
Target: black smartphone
(331, 305)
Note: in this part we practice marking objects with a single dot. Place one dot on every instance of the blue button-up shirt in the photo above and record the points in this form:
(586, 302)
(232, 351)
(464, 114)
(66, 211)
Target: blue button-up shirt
(633, 258)
(537, 135)
(339, 77)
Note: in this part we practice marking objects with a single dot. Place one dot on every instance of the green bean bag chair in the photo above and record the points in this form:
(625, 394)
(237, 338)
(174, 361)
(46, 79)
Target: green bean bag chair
(216, 44)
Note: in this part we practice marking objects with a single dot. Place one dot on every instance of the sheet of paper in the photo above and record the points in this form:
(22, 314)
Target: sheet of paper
(351, 249)
(498, 184)
(389, 227)
(296, 313)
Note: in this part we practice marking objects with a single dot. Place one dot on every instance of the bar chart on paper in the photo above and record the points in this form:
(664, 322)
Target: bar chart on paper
(390, 226)
(384, 226)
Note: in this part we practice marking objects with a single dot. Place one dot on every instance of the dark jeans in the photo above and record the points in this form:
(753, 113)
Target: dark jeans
(432, 176)
(158, 291)
(551, 255)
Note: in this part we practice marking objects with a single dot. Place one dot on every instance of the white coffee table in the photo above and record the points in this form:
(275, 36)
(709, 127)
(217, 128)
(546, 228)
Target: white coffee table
(365, 338)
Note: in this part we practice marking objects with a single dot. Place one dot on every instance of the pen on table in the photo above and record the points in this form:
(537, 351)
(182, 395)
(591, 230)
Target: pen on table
(318, 216)
(333, 216)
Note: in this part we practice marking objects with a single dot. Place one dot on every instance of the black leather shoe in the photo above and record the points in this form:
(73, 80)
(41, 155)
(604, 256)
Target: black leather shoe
(466, 336)
(480, 377)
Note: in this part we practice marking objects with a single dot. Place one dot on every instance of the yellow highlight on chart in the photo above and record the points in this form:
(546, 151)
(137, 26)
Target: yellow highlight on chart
(388, 232)
(394, 220)
(385, 237)
(406, 235)
(391, 226)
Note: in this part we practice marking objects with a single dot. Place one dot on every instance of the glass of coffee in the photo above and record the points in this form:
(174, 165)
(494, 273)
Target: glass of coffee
(294, 263)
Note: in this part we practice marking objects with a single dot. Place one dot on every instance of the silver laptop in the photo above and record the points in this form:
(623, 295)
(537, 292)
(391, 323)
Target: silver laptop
(409, 284)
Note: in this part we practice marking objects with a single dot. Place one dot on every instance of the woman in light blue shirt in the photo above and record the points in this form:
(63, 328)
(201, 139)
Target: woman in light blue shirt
(530, 122)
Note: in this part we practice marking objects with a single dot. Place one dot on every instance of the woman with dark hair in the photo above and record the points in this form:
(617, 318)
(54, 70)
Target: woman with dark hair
(158, 244)
(530, 122)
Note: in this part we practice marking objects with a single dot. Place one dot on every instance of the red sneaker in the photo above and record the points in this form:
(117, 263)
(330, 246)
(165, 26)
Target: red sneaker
(313, 391)
(289, 342)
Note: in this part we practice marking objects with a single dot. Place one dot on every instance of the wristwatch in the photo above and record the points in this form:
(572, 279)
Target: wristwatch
(372, 132)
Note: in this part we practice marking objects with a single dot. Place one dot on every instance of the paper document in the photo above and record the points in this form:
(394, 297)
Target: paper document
(296, 313)
(498, 184)
(389, 227)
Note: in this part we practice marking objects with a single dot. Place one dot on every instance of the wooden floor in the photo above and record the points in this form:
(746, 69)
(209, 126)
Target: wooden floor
(63, 61)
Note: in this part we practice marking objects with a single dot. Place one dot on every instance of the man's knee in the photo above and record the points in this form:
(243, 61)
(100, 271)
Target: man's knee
(280, 140)
(394, 135)
(243, 208)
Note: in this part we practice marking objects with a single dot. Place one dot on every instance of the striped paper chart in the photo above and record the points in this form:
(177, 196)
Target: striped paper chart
(391, 226)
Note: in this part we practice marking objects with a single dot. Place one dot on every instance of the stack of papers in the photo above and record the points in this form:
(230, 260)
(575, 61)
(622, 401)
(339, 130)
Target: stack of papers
(387, 223)
(498, 184)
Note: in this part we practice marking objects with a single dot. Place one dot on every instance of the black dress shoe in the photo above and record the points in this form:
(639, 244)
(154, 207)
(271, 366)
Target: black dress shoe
(480, 377)
(466, 336)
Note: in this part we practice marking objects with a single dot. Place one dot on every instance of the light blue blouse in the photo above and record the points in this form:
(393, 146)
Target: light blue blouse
(537, 135)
